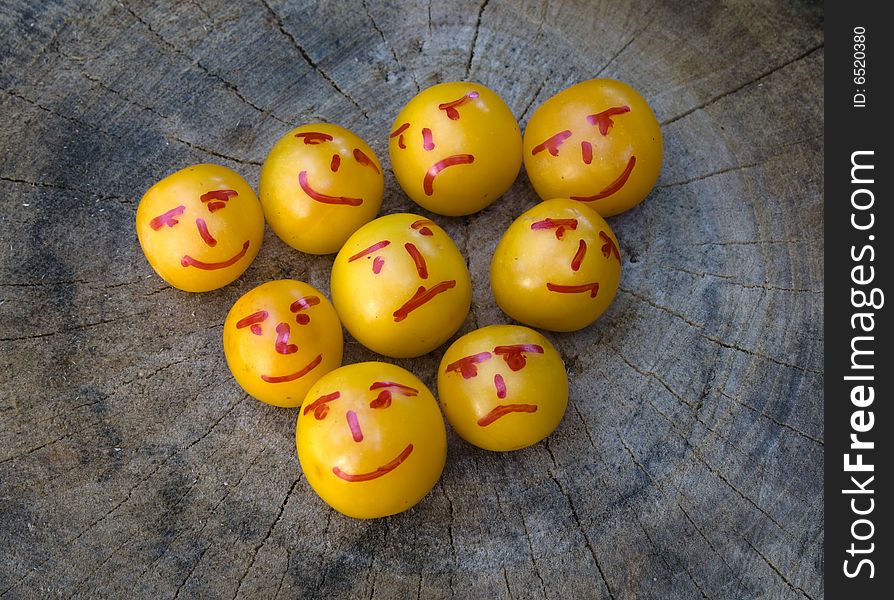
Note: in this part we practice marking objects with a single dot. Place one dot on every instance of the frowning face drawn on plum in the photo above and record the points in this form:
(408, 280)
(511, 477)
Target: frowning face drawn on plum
(561, 147)
(381, 394)
(200, 227)
(516, 357)
(401, 285)
(281, 337)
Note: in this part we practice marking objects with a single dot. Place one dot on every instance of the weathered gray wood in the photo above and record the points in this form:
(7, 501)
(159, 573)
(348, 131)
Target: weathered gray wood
(689, 463)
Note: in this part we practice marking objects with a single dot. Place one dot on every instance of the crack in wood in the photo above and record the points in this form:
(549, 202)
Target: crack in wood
(73, 329)
(388, 45)
(474, 44)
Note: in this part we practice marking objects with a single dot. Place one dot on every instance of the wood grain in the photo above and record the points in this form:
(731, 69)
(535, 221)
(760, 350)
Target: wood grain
(689, 464)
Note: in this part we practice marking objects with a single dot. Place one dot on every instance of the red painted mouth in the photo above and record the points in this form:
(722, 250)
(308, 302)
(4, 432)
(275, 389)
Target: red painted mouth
(613, 187)
(592, 288)
(501, 410)
(422, 296)
(325, 198)
(383, 470)
(189, 261)
(297, 374)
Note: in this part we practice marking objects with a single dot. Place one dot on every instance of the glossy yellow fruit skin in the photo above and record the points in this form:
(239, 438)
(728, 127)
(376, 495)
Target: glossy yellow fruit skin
(503, 387)
(319, 184)
(597, 142)
(455, 148)
(280, 338)
(201, 227)
(401, 286)
(557, 267)
(371, 440)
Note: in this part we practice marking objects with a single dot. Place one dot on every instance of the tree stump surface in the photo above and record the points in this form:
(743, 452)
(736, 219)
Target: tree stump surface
(690, 461)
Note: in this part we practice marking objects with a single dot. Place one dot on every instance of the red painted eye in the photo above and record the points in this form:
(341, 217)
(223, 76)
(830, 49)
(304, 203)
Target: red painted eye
(253, 322)
(319, 407)
(167, 219)
(217, 199)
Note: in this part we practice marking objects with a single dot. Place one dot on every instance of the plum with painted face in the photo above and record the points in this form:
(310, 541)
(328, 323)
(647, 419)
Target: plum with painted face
(371, 440)
(597, 142)
(201, 227)
(557, 267)
(319, 184)
(455, 148)
(280, 338)
(503, 387)
(401, 286)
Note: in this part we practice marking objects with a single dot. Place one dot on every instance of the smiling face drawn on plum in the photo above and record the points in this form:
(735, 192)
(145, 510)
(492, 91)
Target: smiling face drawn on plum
(200, 227)
(370, 439)
(400, 277)
(381, 396)
(280, 338)
(319, 184)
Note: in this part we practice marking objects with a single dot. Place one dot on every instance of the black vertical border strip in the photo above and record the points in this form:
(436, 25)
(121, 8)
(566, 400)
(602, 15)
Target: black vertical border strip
(848, 130)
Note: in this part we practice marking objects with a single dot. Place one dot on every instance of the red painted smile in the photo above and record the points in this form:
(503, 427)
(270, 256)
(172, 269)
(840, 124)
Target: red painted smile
(297, 374)
(189, 261)
(501, 410)
(613, 187)
(384, 469)
(325, 198)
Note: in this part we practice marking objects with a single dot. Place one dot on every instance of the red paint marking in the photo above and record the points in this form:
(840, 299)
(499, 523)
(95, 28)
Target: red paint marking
(466, 365)
(560, 225)
(450, 107)
(206, 235)
(593, 288)
(253, 321)
(325, 198)
(418, 259)
(282, 340)
(399, 387)
(314, 137)
(603, 119)
(319, 406)
(399, 130)
(297, 374)
(552, 144)
(427, 142)
(370, 250)
(364, 160)
(189, 261)
(450, 161)
(336, 162)
(504, 409)
(420, 226)
(514, 355)
(613, 187)
(354, 426)
(421, 297)
(217, 199)
(303, 303)
(579, 255)
(609, 248)
(167, 218)
(378, 263)
(384, 469)
(586, 151)
(399, 134)
(500, 384)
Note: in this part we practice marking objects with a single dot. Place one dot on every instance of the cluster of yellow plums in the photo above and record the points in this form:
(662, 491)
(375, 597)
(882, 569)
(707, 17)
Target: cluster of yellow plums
(370, 436)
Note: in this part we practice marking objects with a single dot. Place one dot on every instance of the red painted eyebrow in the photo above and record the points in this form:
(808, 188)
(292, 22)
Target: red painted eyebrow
(167, 218)
(217, 199)
(399, 387)
(552, 143)
(370, 250)
(252, 320)
(450, 107)
(466, 365)
(514, 355)
(314, 137)
(364, 160)
(399, 130)
(560, 225)
(319, 406)
(603, 119)
(304, 303)
(421, 226)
